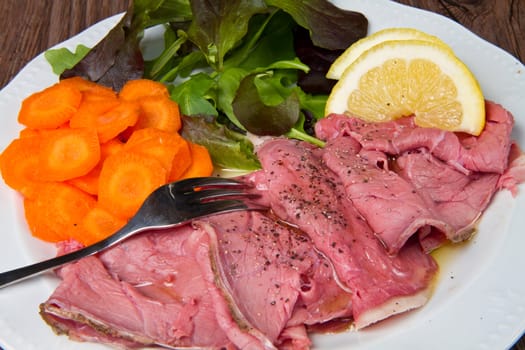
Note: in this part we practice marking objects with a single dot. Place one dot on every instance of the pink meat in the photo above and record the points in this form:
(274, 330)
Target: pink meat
(305, 193)
(389, 203)
(456, 198)
(274, 276)
(515, 173)
(436, 183)
(148, 290)
(486, 153)
(235, 281)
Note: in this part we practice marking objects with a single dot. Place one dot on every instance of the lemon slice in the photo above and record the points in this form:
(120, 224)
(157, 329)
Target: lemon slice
(410, 77)
(356, 49)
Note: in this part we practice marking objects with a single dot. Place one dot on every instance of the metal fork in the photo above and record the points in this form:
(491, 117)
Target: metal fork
(170, 205)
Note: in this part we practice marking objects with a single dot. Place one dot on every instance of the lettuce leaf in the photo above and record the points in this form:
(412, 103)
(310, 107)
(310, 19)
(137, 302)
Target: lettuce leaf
(330, 27)
(228, 149)
(246, 64)
(219, 25)
(62, 59)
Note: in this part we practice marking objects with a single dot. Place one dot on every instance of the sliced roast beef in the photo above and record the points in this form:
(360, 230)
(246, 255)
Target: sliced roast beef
(515, 173)
(489, 152)
(148, 290)
(423, 195)
(486, 153)
(305, 193)
(238, 280)
(456, 198)
(274, 275)
(389, 203)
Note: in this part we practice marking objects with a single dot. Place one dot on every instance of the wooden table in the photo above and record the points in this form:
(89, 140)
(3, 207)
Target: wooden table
(29, 27)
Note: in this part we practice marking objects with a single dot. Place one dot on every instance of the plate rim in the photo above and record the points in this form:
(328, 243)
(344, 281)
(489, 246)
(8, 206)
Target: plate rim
(93, 33)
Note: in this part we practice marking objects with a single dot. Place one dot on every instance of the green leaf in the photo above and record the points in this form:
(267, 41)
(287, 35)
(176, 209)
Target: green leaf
(260, 118)
(330, 26)
(313, 103)
(62, 59)
(117, 57)
(184, 67)
(228, 82)
(299, 134)
(168, 11)
(268, 40)
(194, 96)
(228, 149)
(218, 26)
(167, 55)
(274, 87)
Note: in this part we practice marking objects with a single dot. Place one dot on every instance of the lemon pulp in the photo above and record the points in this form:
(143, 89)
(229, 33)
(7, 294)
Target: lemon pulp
(399, 78)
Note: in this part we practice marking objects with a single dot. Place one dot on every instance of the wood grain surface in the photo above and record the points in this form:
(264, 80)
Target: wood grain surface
(29, 27)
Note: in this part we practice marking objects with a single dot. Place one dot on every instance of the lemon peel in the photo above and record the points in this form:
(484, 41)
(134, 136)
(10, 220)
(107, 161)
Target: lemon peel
(355, 50)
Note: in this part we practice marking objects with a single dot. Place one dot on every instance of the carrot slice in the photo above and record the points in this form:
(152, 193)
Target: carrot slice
(181, 161)
(84, 85)
(139, 88)
(160, 113)
(141, 135)
(68, 153)
(93, 104)
(57, 211)
(201, 162)
(89, 182)
(116, 120)
(28, 132)
(99, 224)
(19, 165)
(126, 179)
(111, 147)
(155, 143)
(49, 108)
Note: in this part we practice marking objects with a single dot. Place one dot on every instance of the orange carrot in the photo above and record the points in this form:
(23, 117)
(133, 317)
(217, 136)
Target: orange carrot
(57, 211)
(139, 88)
(82, 176)
(181, 161)
(68, 153)
(19, 165)
(28, 132)
(84, 85)
(93, 104)
(126, 179)
(50, 108)
(89, 182)
(116, 120)
(201, 164)
(141, 135)
(155, 143)
(159, 112)
(111, 147)
(99, 224)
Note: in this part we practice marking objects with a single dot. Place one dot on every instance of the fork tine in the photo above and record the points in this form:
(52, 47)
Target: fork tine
(219, 193)
(221, 206)
(224, 206)
(188, 185)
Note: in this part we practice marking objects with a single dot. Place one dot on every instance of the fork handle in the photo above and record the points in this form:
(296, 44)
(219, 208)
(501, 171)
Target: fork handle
(21, 273)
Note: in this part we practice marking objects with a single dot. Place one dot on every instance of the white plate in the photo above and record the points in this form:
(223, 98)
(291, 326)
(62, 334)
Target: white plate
(478, 302)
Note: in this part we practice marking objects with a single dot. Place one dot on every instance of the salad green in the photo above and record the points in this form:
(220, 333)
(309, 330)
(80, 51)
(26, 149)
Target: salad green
(233, 66)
